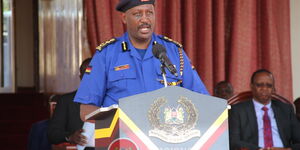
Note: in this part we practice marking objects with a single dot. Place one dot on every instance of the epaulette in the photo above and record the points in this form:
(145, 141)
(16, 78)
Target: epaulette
(104, 44)
(170, 40)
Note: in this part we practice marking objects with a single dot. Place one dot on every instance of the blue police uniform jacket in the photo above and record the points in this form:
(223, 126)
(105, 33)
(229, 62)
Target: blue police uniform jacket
(117, 70)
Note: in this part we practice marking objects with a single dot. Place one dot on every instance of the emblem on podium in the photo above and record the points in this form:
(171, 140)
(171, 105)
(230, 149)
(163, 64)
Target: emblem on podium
(173, 124)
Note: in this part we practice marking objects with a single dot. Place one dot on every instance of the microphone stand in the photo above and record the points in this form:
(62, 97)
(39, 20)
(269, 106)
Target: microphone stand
(163, 72)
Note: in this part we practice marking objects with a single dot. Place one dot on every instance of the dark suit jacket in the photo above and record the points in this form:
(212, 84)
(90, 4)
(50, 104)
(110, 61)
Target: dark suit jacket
(65, 119)
(243, 130)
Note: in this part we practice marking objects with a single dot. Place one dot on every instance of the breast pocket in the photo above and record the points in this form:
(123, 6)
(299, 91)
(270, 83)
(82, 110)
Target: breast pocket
(119, 80)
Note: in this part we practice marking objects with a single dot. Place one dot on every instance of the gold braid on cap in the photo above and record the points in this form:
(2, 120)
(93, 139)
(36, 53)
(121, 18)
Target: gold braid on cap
(104, 44)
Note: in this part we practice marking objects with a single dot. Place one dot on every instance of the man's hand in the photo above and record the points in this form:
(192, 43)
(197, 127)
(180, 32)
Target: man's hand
(78, 138)
(86, 109)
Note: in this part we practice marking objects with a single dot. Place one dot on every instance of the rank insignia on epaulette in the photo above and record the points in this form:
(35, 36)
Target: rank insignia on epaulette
(124, 46)
(88, 69)
(170, 40)
(104, 44)
(122, 67)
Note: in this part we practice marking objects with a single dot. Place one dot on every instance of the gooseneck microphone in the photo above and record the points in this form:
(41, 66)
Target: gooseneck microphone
(159, 51)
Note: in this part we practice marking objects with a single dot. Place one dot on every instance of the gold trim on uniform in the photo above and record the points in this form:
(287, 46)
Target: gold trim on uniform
(181, 61)
(171, 83)
(104, 44)
(175, 42)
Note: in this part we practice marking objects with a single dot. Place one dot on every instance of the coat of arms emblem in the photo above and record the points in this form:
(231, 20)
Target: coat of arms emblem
(173, 124)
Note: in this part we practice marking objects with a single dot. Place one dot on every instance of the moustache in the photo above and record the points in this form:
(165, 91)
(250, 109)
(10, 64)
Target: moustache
(144, 25)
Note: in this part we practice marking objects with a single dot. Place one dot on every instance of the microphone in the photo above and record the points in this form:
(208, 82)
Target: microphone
(159, 51)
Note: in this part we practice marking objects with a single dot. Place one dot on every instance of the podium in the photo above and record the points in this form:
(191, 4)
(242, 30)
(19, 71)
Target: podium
(171, 118)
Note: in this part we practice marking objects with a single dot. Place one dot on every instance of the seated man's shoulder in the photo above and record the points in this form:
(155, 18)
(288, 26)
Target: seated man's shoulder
(169, 40)
(282, 105)
(278, 102)
(67, 98)
(242, 104)
(71, 94)
(40, 124)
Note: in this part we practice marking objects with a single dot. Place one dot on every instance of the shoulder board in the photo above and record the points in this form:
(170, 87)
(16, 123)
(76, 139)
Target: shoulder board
(104, 44)
(170, 40)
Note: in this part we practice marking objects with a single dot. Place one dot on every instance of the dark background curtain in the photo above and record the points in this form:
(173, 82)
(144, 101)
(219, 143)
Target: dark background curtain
(225, 39)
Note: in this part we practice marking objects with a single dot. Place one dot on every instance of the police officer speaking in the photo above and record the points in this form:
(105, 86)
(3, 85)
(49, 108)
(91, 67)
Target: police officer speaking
(125, 66)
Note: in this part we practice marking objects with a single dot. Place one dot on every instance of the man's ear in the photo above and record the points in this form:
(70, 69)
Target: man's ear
(123, 16)
(274, 90)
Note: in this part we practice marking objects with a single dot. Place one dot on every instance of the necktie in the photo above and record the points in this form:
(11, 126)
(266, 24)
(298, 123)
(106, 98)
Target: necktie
(267, 129)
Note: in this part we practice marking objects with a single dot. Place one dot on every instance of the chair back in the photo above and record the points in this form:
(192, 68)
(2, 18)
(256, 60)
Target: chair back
(243, 96)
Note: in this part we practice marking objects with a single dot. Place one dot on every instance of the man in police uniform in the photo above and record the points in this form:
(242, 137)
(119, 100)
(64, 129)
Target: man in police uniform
(125, 66)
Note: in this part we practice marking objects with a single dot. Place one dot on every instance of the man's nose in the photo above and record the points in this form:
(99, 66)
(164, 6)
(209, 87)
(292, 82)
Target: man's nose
(265, 87)
(145, 17)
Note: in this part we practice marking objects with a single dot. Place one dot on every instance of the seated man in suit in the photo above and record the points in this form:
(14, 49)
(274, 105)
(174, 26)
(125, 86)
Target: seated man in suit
(66, 125)
(261, 123)
(37, 138)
